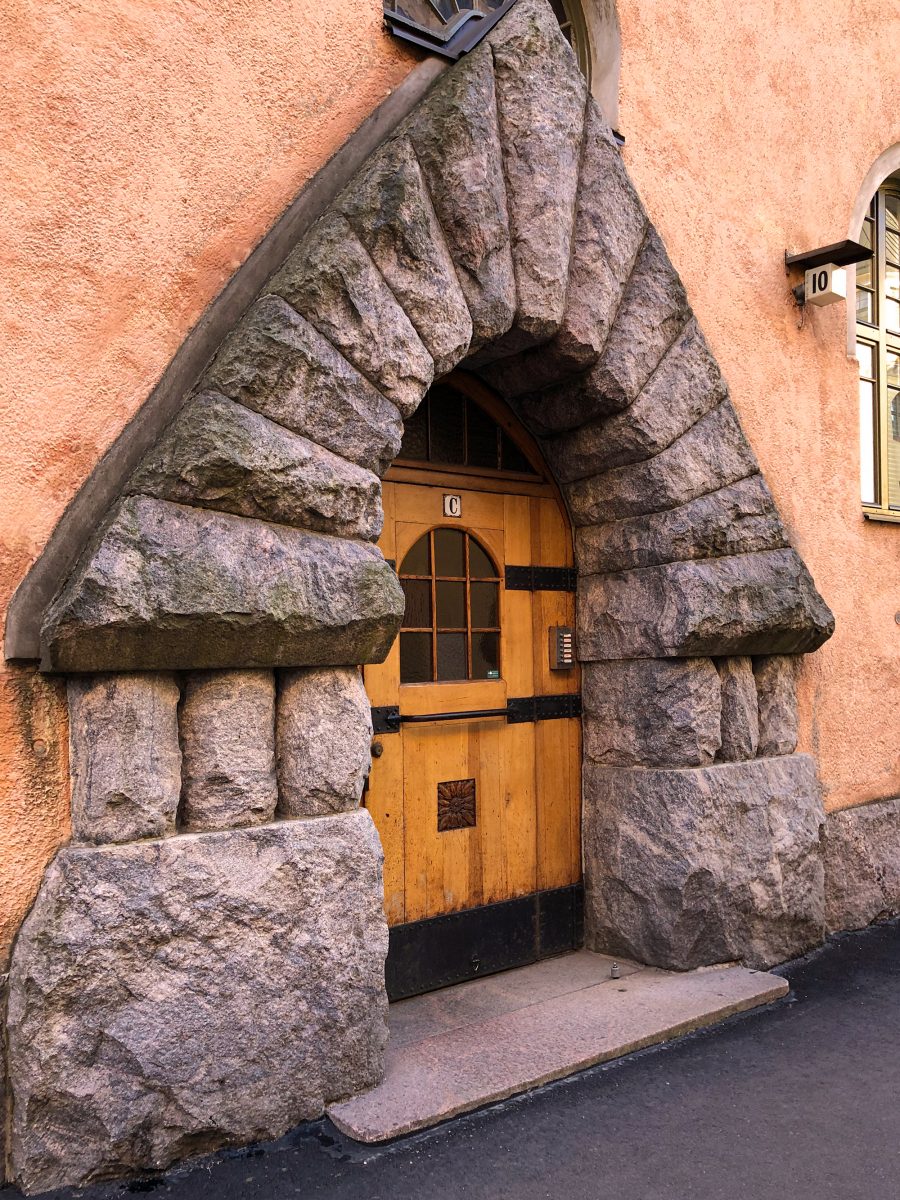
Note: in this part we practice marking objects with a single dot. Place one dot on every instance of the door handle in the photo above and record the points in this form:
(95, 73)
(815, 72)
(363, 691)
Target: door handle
(472, 713)
(518, 710)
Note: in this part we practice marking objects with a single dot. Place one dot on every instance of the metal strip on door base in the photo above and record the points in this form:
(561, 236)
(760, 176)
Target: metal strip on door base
(440, 951)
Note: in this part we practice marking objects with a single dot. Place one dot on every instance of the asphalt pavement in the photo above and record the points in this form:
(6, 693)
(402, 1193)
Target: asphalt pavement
(799, 1101)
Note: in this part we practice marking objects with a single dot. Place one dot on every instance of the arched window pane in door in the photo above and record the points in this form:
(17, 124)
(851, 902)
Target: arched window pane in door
(451, 627)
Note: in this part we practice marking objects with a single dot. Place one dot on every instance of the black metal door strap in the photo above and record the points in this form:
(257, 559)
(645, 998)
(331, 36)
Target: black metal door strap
(388, 718)
(440, 951)
(541, 579)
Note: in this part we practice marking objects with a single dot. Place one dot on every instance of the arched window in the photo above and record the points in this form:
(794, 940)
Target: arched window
(450, 26)
(570, 15)
(878, 352)
(451, 429)
(451, 628)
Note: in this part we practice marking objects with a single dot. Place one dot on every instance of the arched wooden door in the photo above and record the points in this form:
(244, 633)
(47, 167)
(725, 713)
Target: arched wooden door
(476, 772)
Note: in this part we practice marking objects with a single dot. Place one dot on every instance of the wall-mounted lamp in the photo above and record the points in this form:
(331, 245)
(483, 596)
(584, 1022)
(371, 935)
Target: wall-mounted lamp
(824, 276)
(441, 26)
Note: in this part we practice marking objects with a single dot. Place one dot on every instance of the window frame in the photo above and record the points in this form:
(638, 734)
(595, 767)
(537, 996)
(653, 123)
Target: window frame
(469, 629)
(884, 342)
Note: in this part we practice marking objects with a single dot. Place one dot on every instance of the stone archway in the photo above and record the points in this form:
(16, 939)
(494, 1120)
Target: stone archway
(202, 965)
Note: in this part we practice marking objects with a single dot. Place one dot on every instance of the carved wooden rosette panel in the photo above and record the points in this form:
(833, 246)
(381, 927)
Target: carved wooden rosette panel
(456, 804)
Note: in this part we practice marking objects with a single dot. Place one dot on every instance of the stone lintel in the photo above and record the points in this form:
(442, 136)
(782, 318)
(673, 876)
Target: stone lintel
(747, 604)
(168, 586)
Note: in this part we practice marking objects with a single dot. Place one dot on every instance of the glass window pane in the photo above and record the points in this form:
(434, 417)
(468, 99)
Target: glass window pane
(865, 236)
(480, 565)
(483, 448)
(892, 246)
(866, 357)
(864, 274)
(893, 450)
(415, 434)
(485, 611)
(449, 552)
(451, 653)
(892, 282)
(418, 603)
(418, 559)
(447, 424)
(451, 605)
(867, 442)
(415, 657)
(865, 307)
(512, 457)
(892, 315)
(892, 364)
(485, 655)
(891, 211)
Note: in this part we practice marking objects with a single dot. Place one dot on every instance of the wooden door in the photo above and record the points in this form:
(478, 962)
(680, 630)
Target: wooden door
(477, 802)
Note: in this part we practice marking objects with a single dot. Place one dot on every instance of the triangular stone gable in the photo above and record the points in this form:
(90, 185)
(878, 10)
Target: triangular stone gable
(497, 229)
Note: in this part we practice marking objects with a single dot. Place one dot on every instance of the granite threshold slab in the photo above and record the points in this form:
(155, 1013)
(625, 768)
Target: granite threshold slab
(458, 1049)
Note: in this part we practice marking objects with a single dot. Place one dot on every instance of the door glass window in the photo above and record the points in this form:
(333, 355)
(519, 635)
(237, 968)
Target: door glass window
(451, 627)
(450, 430)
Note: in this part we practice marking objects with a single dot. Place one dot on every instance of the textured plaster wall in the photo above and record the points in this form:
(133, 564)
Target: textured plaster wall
(750, 128)
(149, 145)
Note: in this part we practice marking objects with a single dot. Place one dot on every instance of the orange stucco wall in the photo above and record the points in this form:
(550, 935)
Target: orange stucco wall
(750, 128)
(149, 146)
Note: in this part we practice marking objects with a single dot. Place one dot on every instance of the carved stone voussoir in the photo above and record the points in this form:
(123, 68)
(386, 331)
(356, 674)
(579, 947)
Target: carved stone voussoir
(219, 454)
(203, 991)
(541, 101)
(653, 310)
(390, 210)
(710, 455)
(609, 229)
(276, 363)
(333, 282)
(651, 712)
(738, 519)
(323, 738)
(749, 604)
(172, 587)
(455, 136)
(124, 755)
(685, 388)
(688, 868)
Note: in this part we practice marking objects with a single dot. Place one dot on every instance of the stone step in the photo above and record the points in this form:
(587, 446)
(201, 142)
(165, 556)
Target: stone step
(458, 1049)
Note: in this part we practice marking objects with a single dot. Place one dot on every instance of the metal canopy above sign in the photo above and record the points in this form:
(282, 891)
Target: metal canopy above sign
(446, 27)
(842, 254)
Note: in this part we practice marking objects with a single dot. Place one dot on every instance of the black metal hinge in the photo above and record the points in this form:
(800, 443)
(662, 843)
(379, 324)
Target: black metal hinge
(519, 710)
(543, 708)
(541, 579)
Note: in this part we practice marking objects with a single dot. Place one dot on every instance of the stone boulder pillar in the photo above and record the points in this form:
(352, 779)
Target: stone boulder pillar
(124, 755)
(172, 996)
(227, 726)
(324, 734)
(689, 867)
